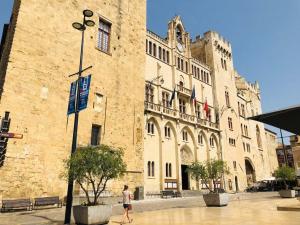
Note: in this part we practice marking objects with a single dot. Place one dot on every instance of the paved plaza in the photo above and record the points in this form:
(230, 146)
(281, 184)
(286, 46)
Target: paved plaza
(244, 208)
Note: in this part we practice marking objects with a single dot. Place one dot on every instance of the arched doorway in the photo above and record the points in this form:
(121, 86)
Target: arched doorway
(236, 184)
(186, 159)
(250, 172)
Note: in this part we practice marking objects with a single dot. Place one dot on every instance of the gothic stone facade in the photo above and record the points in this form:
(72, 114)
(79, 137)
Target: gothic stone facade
(41, 50)
(213, 125)
(128, 99)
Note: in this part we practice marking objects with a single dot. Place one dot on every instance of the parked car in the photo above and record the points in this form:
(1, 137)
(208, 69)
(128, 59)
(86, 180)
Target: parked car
(269, 185)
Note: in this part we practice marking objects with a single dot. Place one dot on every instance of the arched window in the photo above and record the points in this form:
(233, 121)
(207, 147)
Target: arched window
(164, 55)
(200, 139)
(159, 52)
(152, 167)
(170, 170)
(150, 128)
(154, 50)
(212, 141)
(150, 47)
(168, 57)
(167, 170)
(149, 168)
(179, 34)
(258, 137)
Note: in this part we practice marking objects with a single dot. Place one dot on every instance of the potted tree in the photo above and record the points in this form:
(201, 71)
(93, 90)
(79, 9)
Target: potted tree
(211, 171)
(92, 167)
(286, 173)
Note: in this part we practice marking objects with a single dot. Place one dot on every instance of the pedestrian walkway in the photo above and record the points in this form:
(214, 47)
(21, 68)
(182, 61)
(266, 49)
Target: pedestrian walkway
(244, 208)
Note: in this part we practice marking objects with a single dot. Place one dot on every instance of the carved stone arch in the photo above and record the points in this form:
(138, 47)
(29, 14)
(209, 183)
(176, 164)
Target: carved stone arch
(204, 137)
(250, 171)
(216, 140)
(186, 155)
(191, 134)
(173, 130)
(154, 120)
(216, 143)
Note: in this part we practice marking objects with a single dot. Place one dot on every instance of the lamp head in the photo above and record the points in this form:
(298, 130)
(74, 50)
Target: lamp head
(88, 13)
(89, 23)
(78, 26)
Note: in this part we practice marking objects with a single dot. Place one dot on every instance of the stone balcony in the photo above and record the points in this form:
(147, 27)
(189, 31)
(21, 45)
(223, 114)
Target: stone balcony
(183, 90)
(173, 113)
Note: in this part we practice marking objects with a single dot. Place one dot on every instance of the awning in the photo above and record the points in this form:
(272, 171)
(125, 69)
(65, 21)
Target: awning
(287, 119)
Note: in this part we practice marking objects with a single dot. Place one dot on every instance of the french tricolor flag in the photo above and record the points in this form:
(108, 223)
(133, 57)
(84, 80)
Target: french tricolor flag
(193, 96)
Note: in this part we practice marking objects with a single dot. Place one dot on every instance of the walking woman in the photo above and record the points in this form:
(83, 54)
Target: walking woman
(126, 204)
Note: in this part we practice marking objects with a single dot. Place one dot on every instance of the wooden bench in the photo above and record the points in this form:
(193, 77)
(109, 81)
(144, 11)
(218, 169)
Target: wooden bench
(16, 204)
(167, 193)
(151, 194)
(45, 201)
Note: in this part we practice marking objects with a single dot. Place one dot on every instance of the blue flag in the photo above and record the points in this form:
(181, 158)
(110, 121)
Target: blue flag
(72, 97)
(84, 88)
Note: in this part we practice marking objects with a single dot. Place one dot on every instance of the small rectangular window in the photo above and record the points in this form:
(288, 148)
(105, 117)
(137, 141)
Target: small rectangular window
(96, 134)
(104, 35)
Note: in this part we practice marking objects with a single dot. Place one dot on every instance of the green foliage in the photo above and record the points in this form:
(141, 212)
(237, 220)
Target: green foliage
(94, 166)
(285, 173)
(208, 171)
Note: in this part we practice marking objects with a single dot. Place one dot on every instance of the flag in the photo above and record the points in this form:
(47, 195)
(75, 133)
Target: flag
(193, 96)
(172, 97)
(206, 109)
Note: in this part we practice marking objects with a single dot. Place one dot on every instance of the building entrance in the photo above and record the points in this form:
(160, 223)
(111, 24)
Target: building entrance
(184, 177)
(250, 173)
(236, 184)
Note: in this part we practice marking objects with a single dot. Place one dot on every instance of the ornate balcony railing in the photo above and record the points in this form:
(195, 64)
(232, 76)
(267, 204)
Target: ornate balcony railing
(183, 90)
(152, 106)
(207, 123)
(183, 116)
(187, 117)
(169, 111)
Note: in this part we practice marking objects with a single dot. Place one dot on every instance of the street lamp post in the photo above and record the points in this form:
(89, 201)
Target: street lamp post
(81, 27)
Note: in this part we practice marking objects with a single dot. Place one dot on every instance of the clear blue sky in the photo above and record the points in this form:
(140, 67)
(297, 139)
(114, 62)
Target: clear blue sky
(264, 35)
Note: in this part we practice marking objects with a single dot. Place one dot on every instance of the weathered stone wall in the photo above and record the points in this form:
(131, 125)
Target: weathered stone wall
(45, 51)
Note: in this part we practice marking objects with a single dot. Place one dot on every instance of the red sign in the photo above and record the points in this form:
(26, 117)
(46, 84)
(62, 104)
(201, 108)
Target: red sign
(11, 135)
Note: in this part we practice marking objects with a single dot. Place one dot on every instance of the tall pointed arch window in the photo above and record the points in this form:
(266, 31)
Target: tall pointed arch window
(258, 137)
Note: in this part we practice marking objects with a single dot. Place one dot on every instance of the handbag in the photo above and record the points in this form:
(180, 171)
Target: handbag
(129, 207)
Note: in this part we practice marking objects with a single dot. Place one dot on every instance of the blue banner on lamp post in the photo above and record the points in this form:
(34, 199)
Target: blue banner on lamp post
(71, 106)
(84, 87)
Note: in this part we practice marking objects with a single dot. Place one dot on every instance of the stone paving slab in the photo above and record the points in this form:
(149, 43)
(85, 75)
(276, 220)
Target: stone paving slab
(56, 215)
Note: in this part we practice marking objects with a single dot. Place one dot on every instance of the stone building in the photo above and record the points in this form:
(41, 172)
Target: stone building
(40, 51)
(272, 144)
(208, 115)
(169, 103)
(295, 144)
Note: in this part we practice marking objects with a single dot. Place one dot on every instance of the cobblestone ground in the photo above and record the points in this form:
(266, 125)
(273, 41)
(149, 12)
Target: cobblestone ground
(243, 209)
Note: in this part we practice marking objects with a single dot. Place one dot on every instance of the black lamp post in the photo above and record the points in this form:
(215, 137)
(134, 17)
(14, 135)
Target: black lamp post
(81, 27)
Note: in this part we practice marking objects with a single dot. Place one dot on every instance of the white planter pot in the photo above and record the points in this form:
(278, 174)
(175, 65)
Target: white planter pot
(287, 193)
(213, 199)
(91, 215)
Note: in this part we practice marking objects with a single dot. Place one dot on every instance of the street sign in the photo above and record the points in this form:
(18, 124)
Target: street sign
(11, 135)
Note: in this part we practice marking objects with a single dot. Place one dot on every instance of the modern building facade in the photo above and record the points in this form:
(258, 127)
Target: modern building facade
(166, 101)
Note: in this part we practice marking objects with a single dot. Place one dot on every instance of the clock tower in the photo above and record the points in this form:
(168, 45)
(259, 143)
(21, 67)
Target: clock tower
(178, 37)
